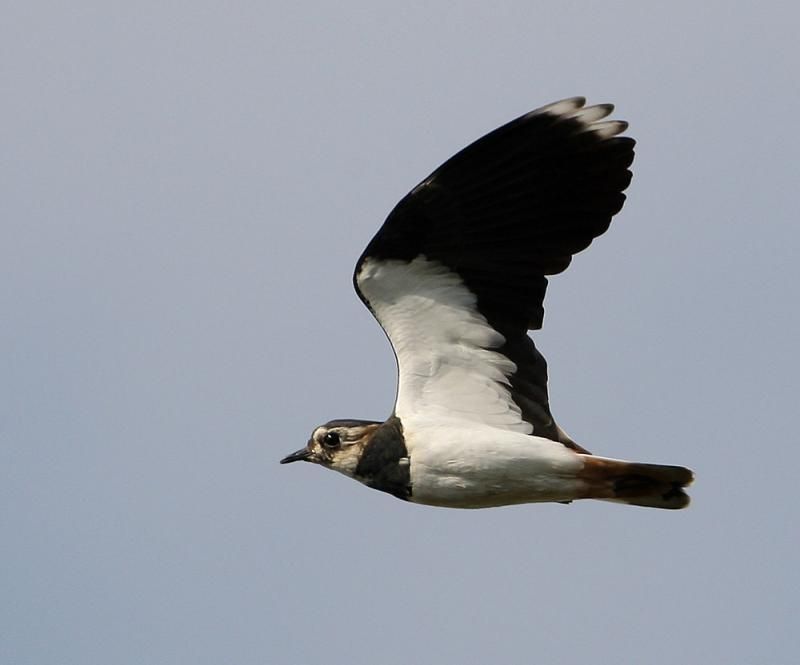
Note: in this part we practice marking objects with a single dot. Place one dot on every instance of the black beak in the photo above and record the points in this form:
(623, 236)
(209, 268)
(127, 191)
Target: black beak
(301, 455)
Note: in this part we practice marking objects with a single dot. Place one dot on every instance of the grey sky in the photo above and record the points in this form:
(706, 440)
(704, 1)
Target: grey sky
(185, 189)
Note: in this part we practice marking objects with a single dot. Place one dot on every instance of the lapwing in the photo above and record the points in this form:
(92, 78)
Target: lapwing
(456, 277)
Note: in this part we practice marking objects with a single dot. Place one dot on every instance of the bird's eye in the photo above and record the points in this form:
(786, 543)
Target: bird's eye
(331, 440)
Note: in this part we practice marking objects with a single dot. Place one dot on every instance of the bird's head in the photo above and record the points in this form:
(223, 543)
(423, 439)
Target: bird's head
(337, 444)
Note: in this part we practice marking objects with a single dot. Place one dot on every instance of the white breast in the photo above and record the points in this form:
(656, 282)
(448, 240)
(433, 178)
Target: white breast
(481, 467)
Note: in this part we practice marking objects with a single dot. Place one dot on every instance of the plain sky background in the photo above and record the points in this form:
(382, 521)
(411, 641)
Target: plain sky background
(184, 189)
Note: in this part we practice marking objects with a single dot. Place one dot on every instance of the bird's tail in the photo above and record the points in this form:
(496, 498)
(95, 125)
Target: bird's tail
(650, 485)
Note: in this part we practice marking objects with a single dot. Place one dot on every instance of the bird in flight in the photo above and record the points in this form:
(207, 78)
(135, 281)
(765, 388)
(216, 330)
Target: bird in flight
(456, 277)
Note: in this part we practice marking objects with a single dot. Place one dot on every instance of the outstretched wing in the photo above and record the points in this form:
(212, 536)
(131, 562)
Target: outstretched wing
(456, 274)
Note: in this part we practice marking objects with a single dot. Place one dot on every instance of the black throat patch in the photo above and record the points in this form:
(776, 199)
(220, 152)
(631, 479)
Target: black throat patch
(384, 464)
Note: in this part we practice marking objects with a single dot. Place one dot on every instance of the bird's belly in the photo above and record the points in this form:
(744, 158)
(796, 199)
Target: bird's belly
(496, 468)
